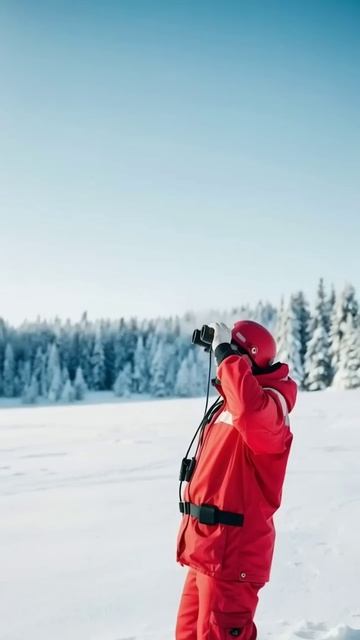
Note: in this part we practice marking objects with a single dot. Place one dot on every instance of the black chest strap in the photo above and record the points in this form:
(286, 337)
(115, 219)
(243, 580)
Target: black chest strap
(209, 514)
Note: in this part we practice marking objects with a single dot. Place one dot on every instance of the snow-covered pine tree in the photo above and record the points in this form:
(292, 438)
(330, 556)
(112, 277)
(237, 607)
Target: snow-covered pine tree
(74, 354)
(158, 371)
(183, 382)
(140, 371)
(65, 345)
(9, 372)
(38, 364)
(120, 351)
(122, 385)
(317, 361)
(151, 345)
(266, 314)
(125, 340)
(68, 392)
(80, 388)
(288, 339)
(56, 385)
(303, 315)
(348, 372)
(196, 377)
(31, 391)
(54, 378)
(192, 374)
(64, 375)
(346, 305)
(85, 348)
(43, 379)
(317, 358)
(109, 353)
(172, 363)
(53, 363)
(24, 372)
(98, 363)
(330, 306)
(203, 359)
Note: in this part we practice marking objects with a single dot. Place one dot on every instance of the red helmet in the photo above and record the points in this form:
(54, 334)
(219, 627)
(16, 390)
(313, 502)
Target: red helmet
(256, 340)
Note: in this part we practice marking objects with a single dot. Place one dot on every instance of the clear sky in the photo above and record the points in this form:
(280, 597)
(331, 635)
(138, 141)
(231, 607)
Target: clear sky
(164, 156)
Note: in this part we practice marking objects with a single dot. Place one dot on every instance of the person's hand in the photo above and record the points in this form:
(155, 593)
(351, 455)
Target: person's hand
(222, 334)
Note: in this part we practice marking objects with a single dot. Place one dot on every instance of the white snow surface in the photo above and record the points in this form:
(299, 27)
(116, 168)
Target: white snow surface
(89, 517)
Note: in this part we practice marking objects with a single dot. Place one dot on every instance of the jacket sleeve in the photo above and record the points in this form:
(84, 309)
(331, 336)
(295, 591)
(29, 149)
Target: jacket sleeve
(256, 414)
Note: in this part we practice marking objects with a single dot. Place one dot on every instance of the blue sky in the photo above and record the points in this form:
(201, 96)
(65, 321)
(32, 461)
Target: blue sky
(157, 157)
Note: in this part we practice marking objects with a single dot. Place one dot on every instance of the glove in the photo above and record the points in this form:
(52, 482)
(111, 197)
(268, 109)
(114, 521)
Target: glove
(222, 334)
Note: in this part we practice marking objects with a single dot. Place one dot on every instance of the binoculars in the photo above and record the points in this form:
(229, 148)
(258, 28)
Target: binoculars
(203, 337)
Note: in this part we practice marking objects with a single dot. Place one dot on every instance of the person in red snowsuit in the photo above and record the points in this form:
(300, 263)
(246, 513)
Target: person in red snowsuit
(226, 536)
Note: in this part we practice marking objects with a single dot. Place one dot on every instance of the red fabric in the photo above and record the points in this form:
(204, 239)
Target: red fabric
(212, 609)
(240, 468)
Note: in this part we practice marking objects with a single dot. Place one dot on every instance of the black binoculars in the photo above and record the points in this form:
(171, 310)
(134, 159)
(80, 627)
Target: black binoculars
(203, 337)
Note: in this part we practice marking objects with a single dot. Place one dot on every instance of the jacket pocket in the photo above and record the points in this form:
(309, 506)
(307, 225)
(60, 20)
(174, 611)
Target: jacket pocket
(229, 625)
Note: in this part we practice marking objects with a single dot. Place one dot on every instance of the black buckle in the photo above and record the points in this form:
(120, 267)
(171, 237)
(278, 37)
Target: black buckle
(208, 514)
(185, 508)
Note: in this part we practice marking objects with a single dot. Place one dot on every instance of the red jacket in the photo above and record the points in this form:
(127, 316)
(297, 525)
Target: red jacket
(240, 467)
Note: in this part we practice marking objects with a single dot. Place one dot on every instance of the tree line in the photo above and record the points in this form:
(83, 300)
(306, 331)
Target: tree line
(62, 361)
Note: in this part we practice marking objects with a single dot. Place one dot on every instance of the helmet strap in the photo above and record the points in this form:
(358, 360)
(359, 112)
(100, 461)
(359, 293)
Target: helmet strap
(257, 371)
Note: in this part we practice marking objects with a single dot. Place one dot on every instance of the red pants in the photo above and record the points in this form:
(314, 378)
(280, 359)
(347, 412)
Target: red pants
(212, 609)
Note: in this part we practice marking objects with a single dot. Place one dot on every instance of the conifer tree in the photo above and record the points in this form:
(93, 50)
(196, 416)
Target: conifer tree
(330, 306)
(80, 388)
(85, 348)
(68, 392)
(38, 362)
(289, 340)
(9, 372)
(318, 371)
(348, 372)
(346, 305)
(158, 371)
(140, 372)
(31, 391)
(109, 355)
(317, 362)
(24, 373)
(122, 385)
(98, 363)
(43, 379)
(64, 375)
(53, 363)
(182, 384)
(56, 385)
(172, 365)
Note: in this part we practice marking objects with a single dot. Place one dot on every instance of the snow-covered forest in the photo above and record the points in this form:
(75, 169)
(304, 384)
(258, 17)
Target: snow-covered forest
(62, 361)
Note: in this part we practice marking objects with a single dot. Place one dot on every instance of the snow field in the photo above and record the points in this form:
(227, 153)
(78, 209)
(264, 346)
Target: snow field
(89, 517)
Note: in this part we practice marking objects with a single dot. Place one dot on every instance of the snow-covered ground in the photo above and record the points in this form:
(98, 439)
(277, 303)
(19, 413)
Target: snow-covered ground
(89, 517)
